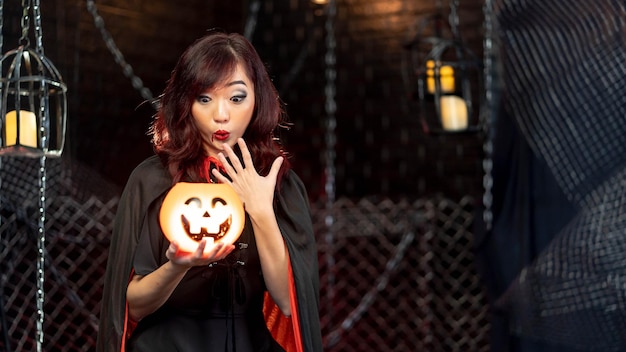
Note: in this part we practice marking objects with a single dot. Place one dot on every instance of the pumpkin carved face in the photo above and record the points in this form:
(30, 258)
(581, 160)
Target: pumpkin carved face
(193, 211)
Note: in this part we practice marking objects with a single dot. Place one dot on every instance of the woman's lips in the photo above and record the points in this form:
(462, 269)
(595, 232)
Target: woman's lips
(221, 135)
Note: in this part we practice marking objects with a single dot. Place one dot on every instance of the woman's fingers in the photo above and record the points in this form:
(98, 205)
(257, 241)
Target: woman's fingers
(228, 152)
(245, 153)
(233, 163)
(204, 254)
(276, 167)
(218, 251)
(200, 250)
(224, 251)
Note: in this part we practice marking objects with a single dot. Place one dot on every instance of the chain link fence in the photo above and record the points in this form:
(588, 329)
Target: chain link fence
(395, 276)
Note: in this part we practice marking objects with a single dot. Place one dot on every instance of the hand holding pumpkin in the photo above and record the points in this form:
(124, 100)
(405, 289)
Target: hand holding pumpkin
(206, 253)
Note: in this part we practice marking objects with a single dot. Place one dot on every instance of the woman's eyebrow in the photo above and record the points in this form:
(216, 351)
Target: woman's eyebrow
(236, 82)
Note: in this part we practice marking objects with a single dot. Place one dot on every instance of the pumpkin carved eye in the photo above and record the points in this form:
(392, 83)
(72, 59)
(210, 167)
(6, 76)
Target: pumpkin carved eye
(193, 211)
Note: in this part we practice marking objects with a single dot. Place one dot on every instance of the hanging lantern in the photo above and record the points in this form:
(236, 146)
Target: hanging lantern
(446, 77)
(192, 212)
(449, 89)
(33, 104)
(32, 122)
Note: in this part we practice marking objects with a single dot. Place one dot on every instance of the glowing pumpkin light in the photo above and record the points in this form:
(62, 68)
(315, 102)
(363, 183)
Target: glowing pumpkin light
(193, 211)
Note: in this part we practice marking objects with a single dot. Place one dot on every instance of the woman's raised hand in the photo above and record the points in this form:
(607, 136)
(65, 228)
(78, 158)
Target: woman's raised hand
(255, 191)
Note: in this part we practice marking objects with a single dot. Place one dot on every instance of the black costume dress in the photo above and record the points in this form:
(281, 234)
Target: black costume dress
(223, 307)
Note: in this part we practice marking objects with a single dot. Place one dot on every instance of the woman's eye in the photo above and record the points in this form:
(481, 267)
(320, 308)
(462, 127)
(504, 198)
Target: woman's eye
(238, 98)
(203, 99)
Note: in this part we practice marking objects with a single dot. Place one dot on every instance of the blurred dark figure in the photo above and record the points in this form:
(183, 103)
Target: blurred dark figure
(555, 261)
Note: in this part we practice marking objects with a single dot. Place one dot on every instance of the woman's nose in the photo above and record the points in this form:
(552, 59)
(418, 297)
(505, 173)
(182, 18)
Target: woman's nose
(222, 114)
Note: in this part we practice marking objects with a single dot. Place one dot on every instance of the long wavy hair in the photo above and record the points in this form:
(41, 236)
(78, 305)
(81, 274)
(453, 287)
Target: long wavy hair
(207, 62)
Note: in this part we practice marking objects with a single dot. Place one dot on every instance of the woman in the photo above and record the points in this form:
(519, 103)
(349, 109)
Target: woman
(215, 123)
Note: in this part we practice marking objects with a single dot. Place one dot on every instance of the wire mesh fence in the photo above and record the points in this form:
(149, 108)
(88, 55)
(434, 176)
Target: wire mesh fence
(395, 276)
(400, 277)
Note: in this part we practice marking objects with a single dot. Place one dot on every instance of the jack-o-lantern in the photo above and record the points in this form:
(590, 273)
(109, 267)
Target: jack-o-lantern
(193, 211)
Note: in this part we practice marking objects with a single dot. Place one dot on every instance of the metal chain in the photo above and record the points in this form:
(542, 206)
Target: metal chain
(453, 18)
(117, 54)
(4, 327)
(297, 64)
(330, 105)
(41, 250)
(488, 113)
(252, 19)
(330, 191)
(43, 94)
(25, 22)
(331, 141)
(1, 29)
(41, 243)
(38, 31)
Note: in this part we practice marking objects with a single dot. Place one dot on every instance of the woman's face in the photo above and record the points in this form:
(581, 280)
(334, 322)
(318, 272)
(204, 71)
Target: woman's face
(223, 113)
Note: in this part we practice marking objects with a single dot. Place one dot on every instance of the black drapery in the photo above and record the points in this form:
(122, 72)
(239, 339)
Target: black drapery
(529, 211)
(555, 260)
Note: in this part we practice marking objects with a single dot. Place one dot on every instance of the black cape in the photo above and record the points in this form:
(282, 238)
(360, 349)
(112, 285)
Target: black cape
(149, 180)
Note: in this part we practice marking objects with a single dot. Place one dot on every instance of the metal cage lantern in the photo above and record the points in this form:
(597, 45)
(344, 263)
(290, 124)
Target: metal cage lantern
(449, 86)
(33, 105)
(445, 75)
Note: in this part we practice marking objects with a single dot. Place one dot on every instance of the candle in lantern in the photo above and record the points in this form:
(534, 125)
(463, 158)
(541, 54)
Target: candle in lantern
(446, 77)
(28, 128)
(453, 113)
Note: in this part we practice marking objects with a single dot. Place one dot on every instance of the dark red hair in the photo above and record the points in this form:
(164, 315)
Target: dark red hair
(207, 62)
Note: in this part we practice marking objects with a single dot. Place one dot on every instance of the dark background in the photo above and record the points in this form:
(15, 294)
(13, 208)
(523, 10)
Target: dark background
(381, 149)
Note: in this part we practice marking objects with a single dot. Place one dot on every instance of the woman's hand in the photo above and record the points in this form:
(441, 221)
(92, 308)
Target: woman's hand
(145, 294)
(199, 257)
(257, 194)
(255, 191)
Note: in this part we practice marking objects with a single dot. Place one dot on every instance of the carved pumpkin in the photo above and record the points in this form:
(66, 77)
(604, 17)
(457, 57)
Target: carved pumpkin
(193, 211)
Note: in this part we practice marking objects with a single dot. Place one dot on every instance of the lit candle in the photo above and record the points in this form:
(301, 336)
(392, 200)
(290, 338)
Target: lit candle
(28, 128)
(453, 113)
(446, 77)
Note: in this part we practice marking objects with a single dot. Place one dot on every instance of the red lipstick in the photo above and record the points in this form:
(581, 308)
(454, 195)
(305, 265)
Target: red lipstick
(221, 135)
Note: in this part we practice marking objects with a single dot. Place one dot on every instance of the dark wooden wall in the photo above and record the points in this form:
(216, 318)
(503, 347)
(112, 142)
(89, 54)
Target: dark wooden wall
(381, 149)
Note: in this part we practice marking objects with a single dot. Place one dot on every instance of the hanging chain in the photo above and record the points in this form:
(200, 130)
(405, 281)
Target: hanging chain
(1, 29)
(43, 94)
(453, 18)
(117, 54)
(330, 105)
(25, 22)
(38, 31)
(41, 251)
(487, 114)
(331, 141)
(41, 243)
(252, 19)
